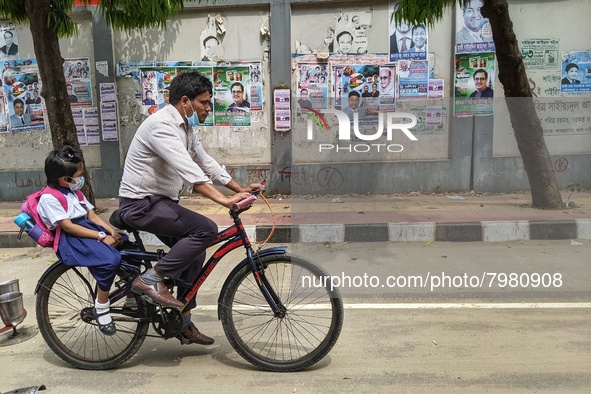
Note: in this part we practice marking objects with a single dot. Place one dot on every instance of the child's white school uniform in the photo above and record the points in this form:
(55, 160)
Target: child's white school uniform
(102, 260)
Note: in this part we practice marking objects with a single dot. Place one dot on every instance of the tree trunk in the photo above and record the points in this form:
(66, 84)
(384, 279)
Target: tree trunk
(51, 71)
(524, 119)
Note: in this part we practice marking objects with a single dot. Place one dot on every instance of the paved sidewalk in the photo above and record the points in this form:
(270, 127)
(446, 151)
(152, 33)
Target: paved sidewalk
(410, 217)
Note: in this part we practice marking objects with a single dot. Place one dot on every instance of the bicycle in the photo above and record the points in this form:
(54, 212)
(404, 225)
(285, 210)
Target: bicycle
(268, 317)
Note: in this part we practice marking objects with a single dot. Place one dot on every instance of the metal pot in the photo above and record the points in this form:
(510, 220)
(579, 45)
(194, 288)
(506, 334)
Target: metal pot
(11, 308)
(10, 286)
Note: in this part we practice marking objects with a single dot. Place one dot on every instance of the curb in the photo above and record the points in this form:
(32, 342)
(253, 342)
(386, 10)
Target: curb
(498, 231)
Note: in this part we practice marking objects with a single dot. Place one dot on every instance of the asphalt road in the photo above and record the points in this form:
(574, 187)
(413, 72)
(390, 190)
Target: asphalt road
(466, 338)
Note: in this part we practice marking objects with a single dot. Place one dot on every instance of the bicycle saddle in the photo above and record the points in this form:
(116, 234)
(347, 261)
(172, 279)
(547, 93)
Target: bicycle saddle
(117, 222)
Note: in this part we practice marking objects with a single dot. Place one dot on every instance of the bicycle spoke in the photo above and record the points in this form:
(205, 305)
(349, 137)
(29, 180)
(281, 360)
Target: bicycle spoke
(64, 314)
(305, 328)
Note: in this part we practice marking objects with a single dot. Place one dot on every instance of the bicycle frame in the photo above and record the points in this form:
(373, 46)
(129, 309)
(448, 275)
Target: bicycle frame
(235, 237)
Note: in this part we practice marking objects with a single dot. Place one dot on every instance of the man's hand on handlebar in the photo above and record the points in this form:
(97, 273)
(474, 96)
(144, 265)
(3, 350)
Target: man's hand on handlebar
(255, 187)
(236, 198)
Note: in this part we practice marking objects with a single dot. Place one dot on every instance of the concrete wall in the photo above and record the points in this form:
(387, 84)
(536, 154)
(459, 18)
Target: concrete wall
(478, 152)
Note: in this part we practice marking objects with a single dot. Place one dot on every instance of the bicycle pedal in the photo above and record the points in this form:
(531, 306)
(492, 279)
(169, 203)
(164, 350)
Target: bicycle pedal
(149, 300)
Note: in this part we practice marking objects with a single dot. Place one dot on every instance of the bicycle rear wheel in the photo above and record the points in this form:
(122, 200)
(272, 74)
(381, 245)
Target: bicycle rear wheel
(64, 315)
(303, 335)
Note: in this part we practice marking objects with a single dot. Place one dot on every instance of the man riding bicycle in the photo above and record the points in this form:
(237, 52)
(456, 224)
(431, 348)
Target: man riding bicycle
(164, 159)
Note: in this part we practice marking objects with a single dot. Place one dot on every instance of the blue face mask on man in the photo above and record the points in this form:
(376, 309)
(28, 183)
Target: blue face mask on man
(192, 120)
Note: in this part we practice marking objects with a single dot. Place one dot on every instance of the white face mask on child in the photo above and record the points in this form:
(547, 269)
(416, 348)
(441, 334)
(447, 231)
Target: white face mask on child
(78, 185)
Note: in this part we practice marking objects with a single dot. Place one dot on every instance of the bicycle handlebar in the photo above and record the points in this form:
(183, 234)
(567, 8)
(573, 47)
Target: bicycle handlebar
(249, 200)
(243, 203)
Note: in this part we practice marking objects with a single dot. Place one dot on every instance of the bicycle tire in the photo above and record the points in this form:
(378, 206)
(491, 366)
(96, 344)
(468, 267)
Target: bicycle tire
(308, 331)
(63, 299)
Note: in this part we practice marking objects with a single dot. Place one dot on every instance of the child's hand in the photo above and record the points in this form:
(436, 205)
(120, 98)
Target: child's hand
(118, 239)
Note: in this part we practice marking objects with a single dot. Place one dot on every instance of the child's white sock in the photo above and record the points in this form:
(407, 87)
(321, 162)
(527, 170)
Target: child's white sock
(102, 308)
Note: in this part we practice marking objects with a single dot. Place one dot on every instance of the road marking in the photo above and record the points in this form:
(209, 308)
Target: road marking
(507, 305)
(525, 305)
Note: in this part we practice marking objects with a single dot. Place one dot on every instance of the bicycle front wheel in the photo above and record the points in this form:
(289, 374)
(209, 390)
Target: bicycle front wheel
(305, 331)
(64, 315)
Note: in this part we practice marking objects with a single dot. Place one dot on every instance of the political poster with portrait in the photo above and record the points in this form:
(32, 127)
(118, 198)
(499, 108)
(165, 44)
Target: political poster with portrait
(351, 29)
(149, 90)
(9, 41)
(164, 77)
(358, 96)
(256, 86)
(25, 106)
(576, 72)
(474, 83)
(20, 66)
(312, 82)
(231, 90)
(211, 48)
(473, 31)
(406, 41)
(413, 79)
(78, 82)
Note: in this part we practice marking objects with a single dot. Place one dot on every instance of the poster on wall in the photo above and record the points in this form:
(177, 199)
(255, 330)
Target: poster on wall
(282, 109)
(3, 120)
(413, 79)
(312, 82)
(359, 92)
(576, 72)
(24, 104)
(540, 53)
(78, 83)
(436, 88)
(78, 115)
(231, 90)
(256, 87)
(8, 41)
(406, 41)
(350, 34)
(109, 112)
(164, 77)
(473, 31)
(149, 91)
(91, 126)
(474, 83)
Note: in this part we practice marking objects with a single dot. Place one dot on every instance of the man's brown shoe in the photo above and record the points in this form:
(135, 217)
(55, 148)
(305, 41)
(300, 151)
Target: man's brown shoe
(157, 292)
(192, 334)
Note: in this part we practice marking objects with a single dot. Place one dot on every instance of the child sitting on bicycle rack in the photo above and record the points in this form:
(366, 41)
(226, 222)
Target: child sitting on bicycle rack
(86, 239)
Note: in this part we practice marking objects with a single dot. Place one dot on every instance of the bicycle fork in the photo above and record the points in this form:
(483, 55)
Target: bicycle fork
(266, 289)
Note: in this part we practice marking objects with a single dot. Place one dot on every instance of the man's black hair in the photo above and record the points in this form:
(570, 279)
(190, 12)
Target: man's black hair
(237, 84)
(18, 101)
(354, 93)
(480, 70)
(64, 161)
(190, 84)
(569, 66)
(342, 33)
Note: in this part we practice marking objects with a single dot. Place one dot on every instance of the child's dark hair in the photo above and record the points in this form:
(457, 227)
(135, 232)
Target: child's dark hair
(64, 161)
